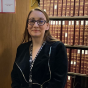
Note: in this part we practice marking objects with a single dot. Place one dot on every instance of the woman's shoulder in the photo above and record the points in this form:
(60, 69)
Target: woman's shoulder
(23, 45)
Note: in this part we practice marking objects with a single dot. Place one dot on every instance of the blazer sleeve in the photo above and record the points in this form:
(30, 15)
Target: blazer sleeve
(59, 74)
(14, 76)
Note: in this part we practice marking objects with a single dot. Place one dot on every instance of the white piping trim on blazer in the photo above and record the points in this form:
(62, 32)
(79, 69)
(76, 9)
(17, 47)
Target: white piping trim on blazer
(49, 71)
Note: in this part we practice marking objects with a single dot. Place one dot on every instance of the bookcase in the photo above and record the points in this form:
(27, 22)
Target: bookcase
(69, 24)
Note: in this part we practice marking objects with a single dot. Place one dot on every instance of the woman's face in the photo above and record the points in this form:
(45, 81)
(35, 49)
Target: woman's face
(37, 29)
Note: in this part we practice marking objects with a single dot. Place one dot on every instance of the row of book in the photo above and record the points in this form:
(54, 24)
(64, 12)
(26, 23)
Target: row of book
(65, 7)
(71, 32)
(77, 61)
(76, 82)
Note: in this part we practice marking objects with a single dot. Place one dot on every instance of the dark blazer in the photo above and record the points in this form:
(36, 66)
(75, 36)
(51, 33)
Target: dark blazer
(49, 69)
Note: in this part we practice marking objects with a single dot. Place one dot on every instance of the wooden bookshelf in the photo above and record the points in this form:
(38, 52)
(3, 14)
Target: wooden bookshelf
(77, 47)
(77, 74)
(69, 18)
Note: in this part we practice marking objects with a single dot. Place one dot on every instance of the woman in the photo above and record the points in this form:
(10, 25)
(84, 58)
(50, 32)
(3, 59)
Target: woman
(41, 61)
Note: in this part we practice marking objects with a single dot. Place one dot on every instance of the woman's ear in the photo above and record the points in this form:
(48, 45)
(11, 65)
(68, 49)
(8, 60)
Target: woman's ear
(47, 26)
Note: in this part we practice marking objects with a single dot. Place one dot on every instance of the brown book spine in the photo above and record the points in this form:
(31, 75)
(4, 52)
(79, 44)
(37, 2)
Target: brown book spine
(69, 33)
(76, 7)
(69, 81)
(64, 8)
(52, 8)
(78, 61)
(82, 61)
(59, 31)
(56, 29)
(63, 31)
(86, 8)
(75, 56)
(48, 7)
(72, 33)
(72, 8)
(51, 27)
(68, 56)
(45, 5)
(85, 33)
(76, 33)
(55, 7)
(85, 62)
(41, 4)
(81, 7)
(68, 7)
(72, 59)
(81, 32)
(60, 7)
(66, 32)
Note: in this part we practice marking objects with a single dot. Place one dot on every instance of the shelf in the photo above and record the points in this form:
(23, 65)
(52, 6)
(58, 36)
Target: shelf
(77, 46)
(77, 74)
(68, 18)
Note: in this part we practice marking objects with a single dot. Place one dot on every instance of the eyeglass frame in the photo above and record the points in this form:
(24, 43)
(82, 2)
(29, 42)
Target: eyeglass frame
(37, 22)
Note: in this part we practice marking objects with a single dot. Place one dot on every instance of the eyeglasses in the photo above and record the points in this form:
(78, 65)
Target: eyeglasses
(39, 22)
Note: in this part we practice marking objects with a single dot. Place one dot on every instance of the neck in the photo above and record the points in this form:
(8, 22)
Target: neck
(37, 42)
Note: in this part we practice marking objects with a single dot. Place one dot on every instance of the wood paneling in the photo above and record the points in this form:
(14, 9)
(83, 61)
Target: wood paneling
(11, 33)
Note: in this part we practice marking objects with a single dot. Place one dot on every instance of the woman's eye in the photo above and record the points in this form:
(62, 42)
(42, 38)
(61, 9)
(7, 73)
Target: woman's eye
(40, 21)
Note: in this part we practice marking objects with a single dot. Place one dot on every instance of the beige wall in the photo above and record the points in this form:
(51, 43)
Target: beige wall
(11, 31)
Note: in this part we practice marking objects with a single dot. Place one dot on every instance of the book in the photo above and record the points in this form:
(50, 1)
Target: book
(81, 8)
(63, 31)
(78, 61)
(76, 7)
(72, 60)
(82, 61)
(86, 8)
(81, 32)
(59, 30)
(66, 31)
(69, 33)
(68, 8)
(72, 32)
(76, 40)
(45, 5)
(55, 7)
(48, 7)
(41, 4)
(60, 4)
(72, 8)
(64, 8)
(52, 8)
(85, 32)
